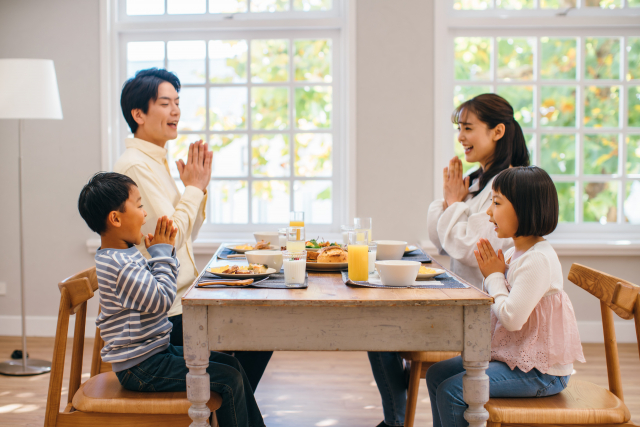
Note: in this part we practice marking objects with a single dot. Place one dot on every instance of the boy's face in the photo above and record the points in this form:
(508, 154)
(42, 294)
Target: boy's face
(132, 219)
(160, 123)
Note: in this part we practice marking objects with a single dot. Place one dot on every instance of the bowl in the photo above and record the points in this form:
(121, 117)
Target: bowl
(272, 259)
(390, 249)
(398, 273)
(267, 236)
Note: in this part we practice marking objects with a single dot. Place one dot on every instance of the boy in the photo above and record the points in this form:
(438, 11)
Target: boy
(135, 296)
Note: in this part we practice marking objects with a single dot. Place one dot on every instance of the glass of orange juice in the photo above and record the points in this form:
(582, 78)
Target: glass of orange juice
(358, 258)
(295, 239)
(296, 219)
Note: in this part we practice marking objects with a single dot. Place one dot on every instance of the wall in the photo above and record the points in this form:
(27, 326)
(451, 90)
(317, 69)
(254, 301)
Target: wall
(394, 148)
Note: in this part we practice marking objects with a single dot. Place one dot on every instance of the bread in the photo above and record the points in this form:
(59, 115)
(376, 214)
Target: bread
(312, 255)
(332, 254)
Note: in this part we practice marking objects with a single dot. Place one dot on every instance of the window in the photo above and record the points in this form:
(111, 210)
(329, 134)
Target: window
(263, 85)
(575, 91)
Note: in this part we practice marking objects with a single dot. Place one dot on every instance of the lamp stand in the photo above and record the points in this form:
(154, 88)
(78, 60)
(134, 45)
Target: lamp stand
(27, 366)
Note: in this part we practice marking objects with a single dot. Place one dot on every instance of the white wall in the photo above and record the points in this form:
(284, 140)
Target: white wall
(394, 148)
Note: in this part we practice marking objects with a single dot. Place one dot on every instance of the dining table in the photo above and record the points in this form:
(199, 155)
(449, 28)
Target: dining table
(329, 315)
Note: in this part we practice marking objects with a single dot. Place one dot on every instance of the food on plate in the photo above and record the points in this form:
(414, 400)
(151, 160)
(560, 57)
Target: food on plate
(244, 247)
(240, 269)
(332, 254)
(317, 244)
(312, 256)
(260, 245)
(425, 270)
(263, 245)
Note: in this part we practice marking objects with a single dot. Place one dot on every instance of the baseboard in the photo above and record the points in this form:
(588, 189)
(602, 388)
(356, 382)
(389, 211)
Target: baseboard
(45, 326)
(40, 326)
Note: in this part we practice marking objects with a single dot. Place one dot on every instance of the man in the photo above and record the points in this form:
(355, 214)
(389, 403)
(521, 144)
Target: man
(150, 105)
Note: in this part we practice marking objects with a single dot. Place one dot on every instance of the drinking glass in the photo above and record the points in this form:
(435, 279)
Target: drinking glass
(295, 239)
(296, 219)
(373, 250)
(363, 224)
(282, 238)
(358, 259)
(295, 266)
(345, 229)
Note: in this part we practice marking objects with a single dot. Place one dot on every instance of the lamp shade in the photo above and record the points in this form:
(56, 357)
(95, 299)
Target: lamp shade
(29, 89)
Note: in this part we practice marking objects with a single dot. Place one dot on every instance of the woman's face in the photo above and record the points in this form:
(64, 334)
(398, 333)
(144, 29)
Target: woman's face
(478, 141)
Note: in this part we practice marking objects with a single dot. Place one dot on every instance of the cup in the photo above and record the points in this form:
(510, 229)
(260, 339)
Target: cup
(296, 219)
(363, 224)
(373, 249)
(358, 260)
(345, 229)
(295, 239)
(295, 267)
(282, 238)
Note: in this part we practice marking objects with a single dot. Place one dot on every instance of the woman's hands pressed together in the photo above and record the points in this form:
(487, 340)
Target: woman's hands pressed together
(165, 233)
(488, 261)
(455, 187)
(197, 171)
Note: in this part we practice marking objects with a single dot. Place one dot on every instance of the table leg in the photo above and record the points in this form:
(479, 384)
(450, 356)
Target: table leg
(196, 355)
(475, 359)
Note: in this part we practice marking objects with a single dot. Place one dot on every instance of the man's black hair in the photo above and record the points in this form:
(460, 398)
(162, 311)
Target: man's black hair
(533, 195)
(105, 192)
(139, 90)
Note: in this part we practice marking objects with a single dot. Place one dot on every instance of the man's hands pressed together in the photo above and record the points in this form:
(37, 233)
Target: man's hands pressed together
(165, 233)
(197, 171)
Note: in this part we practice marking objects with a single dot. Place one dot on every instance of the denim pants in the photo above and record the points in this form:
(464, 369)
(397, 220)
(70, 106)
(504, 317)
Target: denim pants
(392, 380)
(253, 362)
(167, 371)
(444, 381)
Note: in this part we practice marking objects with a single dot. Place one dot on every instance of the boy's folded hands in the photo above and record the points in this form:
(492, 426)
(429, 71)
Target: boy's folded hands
(165, 233)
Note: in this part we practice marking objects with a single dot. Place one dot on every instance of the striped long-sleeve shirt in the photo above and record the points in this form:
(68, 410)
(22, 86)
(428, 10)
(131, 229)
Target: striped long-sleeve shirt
(135, 296)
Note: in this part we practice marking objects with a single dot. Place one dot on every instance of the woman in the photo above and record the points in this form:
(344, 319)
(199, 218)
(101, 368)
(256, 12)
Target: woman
(493, 139)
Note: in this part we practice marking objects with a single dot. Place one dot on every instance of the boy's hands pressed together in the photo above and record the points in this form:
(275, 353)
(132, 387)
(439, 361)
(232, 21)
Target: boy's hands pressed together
(488, 261)
(165, 233)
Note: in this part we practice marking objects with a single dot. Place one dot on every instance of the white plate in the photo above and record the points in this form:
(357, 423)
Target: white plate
(269, 272)
(326, 266)
(430, 275)
(317, 249)
(411, 249)
(241, 251)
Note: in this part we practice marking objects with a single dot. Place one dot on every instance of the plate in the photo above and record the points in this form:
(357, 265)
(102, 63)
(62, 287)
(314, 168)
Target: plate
(326, 266)
(317, 249)
(269, 272)
(430, 275)
(241, 251)
(411, 249)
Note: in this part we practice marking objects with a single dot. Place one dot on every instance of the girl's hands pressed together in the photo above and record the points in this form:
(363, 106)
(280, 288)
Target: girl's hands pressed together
(488, 261)
(165, 233)
(455, 187)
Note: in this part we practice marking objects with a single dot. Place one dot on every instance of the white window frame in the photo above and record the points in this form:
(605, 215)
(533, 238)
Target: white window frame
(450, 23)
(117, 28)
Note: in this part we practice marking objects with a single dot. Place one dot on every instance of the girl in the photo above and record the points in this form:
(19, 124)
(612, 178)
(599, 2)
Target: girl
(534, 334)
(492, 138)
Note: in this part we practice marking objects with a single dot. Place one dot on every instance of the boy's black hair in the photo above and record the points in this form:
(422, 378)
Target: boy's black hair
(533, 195)
(105, 192)
(139, 90)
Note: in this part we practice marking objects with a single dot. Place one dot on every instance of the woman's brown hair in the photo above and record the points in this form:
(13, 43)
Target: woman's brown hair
(511, 149)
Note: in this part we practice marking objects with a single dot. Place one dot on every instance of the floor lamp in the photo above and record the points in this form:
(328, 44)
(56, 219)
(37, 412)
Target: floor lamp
(28, 90)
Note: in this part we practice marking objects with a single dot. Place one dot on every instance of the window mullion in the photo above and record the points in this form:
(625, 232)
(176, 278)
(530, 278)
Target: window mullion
(292, 106)
(249, 131)
(580, 102)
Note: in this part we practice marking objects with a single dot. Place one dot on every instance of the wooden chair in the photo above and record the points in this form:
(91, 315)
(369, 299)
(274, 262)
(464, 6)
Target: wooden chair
(420, 361)
(101, 400)
(581, 403)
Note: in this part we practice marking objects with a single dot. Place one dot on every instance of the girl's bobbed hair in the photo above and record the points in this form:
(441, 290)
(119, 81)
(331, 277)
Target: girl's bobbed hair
(511, 149)
(533, 195)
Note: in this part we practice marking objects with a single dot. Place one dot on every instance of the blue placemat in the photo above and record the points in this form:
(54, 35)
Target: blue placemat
(224, 252)
(443, 281)
(274, 281)
(417, 255)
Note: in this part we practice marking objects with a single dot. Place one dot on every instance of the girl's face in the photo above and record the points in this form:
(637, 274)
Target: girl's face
(502, 214)
(478, 141)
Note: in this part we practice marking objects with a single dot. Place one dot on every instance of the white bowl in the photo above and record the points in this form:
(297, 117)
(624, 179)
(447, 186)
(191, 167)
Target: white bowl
(398, 273)
(272, 259)
(267, 236)
(390, 249)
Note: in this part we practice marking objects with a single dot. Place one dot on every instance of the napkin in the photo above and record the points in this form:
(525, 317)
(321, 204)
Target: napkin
(443, 281)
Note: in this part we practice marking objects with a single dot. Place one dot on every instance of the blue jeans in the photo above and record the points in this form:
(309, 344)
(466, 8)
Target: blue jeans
(444, 381)
(392, 381)
(167, 371)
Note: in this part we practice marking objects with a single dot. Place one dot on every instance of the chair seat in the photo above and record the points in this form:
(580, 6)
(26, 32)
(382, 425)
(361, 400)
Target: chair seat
(580, 403)
(104, 394)
(428, 356)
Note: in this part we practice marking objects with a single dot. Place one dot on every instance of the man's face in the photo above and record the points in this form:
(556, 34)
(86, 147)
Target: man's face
(160, 123)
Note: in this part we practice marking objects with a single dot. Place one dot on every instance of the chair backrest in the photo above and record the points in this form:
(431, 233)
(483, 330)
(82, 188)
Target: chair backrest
(75, 291)
(615, 295)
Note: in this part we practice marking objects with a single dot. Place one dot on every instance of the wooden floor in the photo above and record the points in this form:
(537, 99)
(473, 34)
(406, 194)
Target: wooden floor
(298, 389)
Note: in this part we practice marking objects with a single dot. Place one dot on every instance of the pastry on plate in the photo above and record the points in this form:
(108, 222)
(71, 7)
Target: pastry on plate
(262, 245)
(332, 254)
(312, 256)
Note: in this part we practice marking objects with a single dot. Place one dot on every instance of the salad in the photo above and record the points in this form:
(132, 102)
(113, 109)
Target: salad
(317, 244)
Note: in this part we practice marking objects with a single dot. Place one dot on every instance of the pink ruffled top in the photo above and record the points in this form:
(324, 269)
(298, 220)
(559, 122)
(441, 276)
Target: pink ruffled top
(549, 339)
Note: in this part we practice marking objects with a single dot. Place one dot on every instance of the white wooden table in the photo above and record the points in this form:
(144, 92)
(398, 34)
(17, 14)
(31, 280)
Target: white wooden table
(330, 316)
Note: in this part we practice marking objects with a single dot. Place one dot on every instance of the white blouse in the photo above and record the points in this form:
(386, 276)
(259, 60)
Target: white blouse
(456, 230)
